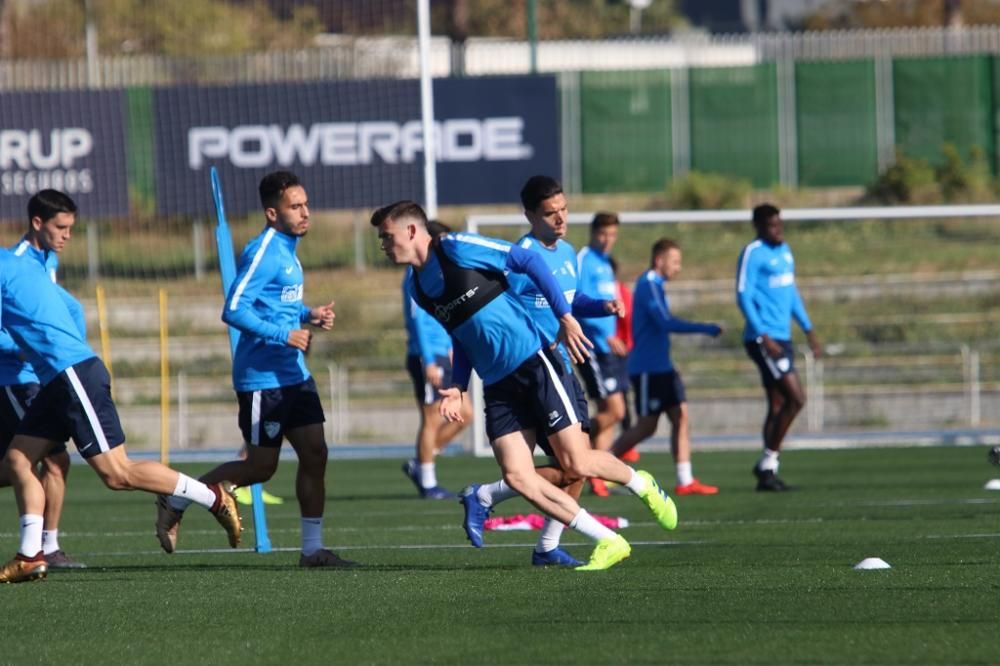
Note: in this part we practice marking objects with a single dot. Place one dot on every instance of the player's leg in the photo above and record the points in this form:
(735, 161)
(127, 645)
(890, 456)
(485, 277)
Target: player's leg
(793, 400)
(680, 447)
(547, 551)
(54, 472)
(22, 456)
(646, 421)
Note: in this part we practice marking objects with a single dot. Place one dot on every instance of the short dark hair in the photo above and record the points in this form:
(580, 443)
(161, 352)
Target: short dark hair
(603, 220)
(46, 204)
(398, 210)
(661, 246)
(272, 187)
(763, 213)
(537, 189)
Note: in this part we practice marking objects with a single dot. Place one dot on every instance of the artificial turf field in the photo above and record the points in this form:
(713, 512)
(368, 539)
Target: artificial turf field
(746, 578)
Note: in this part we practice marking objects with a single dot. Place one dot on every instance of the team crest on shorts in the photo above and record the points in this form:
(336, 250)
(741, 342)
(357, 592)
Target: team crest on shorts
(784, 364)
(610, 384)
(272, 428)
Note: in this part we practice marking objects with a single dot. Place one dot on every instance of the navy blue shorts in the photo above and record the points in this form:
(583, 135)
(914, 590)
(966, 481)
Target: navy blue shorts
(14, 402)
(266, 415)
(539, 395)
(604, 375)
(422, 389)
(772, 369)
(657, 392)
(77, 404)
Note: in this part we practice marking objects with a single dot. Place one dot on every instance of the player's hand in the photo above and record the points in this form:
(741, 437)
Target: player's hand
(814, 345)
(451, 405)
(617, 345)
(772, 348)
(322, 316)
(615, 307)
(300, 339)
(714, 330)
(572, 336)
(432, 374)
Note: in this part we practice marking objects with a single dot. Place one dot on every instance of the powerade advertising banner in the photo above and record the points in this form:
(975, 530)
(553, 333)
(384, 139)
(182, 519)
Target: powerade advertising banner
(354, 144)
(72, 141)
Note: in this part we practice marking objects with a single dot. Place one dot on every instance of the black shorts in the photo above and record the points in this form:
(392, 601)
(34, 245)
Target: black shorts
(14, 402)
(422, 389)
(539, 395)
(604, 375)
(657, 392)
(77, 404)
(266, 415)
(772, 369)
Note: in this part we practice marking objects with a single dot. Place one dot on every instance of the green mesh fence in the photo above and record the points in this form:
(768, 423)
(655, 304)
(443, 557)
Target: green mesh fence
(944, 100)
(835, 116)
(734, 122)
(625, 131)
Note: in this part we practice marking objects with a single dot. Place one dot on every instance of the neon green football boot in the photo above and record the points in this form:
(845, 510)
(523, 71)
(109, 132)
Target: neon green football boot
(659, 503)
(607, 553)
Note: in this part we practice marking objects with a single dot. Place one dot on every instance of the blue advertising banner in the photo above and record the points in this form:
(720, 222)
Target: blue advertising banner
(354, 144)
(72, 141)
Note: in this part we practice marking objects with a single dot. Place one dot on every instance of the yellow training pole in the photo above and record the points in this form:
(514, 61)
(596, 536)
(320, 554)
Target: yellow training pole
(102, 325)
(164, 384)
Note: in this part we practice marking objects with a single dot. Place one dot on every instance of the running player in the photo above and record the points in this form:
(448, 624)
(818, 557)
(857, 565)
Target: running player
(604, 373)
(428, 361)
(768, 298)
(277, 396)
(545, 208)
(51, 216)
(460, 279)
(655, 381)
(75, 401)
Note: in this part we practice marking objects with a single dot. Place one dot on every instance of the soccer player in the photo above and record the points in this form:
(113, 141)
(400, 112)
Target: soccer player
(545, 208)
(74, 401)
(277, 396)
(768, 298)
(51, 215)
(604, 373)
(460, 279)
(655, 381)
(428, 361)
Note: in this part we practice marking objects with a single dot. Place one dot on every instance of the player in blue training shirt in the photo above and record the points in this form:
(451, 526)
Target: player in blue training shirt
(428, 362)
(460, 279)
(51, 216)
(656, 383)
(277, 396)
(545, 208)
(75, 401)
(604, 374)
(768, 298)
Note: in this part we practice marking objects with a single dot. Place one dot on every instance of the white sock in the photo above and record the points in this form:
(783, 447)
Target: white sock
(684, 474)
(551, 533)
(490, 494)
(31, 534)
(190, 490)
(587, 525)
(50, 541)
(636, 484)
(768, 461)
(312, 535)
(428, 475)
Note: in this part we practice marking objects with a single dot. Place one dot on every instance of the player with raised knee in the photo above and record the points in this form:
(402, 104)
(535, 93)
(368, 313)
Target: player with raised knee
(460, 279)
(51, 216)
(74, 401)
(656, 383)
(276, 393)
(545, 208)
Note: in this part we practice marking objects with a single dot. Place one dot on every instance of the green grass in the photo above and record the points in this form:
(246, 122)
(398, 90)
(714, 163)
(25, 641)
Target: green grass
(747, 578)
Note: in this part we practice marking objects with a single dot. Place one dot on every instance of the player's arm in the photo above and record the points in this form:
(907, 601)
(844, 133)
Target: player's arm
(585, 306)
(238, 311)
(452, 397)
(746, 278)
(802, 317)
(75, 310)
(666, 322)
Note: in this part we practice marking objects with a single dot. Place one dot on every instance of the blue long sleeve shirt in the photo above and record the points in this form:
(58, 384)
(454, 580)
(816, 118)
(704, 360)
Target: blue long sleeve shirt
(766, 292)
(501, 335)
(14, 367)
(561, 263)
(425, 337)
(597, 281)
(652, 325)
(34, 313)
(265, 304)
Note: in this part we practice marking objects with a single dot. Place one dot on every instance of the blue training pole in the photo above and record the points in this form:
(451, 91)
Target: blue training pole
(227, 269)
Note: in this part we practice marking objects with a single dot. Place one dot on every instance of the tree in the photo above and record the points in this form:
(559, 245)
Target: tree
(903, 14)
